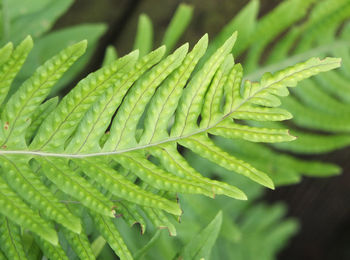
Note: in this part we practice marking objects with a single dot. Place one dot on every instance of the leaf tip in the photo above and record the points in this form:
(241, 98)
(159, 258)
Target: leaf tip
(135, 54)
(162, 49)
(52, 237)
(9, 46)
(81, 46)
(186, 6)
(269, 184)
(28, 41)
(243, 197)
(204, 40)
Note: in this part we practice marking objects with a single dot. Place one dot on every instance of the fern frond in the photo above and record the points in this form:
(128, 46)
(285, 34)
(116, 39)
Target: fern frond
(144, 35)
(80, 244)
(12, 65)
(166, 98)
(173, 162)
(115, 137)
(61, 123)
(123, 188)
(10, 239)
(51, 251)
(131, 215)
(200, 246)
(177, 26)
(19, 212)
(160, 220)
(111, 234)
(29, 186)
(5, 53)
(70, 182)
(320, 104)
(38, 117)
(136, 101)
(18, 110)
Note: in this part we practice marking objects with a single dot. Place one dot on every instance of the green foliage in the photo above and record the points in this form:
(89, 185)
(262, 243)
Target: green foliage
(200, 246)
(177, 26)
(144, 36)
(248, 228)
(298, 38)
(111, 145)
(65, 158)
(319, 106)
(36, 18)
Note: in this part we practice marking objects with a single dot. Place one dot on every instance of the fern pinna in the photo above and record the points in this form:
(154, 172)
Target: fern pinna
(110, 146)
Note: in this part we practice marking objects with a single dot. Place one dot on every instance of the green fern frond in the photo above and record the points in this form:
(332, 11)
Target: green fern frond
(12, 64)
(49, 250)
(10, 239)
(109, 231)
(144, 35)
(80, 244)
(115, 136)
(131, 215)
(320, 106)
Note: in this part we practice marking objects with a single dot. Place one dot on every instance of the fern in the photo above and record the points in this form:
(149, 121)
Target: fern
(112, 139)
(282, 168)
(314, 105)
(246, 227)
(319, 107)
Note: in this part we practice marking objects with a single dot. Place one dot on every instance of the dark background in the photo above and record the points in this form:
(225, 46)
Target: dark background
(321, 205)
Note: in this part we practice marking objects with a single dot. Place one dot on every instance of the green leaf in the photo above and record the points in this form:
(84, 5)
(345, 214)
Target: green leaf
(253, 134)
(49, 44)
(70, 182)
(222, 158)
(200, 246)
(190, 103)
(10, 68)
(113, 145)
(122, 187)
(112, 235)
(159, 178)
(102, 111)
(166, 98)
(136, 101)
(97, 245)
(211, 110)
(5, 53)
(60, 124)
(51, 251)
(37, 22)
(39, 116)
(16, 210)
(173, 162)
(160, 220)
(10, 239)
(80, 244)
(144, 35)
(131, 215)
(177, 26)
(110, 55)
(18, 110)
(27, 184)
